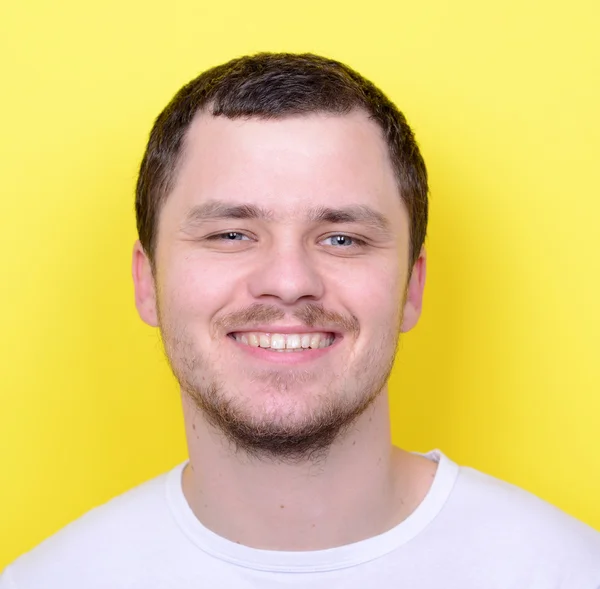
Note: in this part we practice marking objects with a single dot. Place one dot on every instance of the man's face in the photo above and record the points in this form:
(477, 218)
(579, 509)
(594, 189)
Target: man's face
(281, 270)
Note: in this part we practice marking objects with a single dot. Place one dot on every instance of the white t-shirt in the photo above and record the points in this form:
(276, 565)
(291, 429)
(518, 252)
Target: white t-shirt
(470, 532)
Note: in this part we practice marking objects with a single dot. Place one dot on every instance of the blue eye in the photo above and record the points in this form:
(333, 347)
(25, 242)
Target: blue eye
(230, 236)
(342, 240)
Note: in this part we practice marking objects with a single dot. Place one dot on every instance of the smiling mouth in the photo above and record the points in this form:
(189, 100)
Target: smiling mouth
(284, 342)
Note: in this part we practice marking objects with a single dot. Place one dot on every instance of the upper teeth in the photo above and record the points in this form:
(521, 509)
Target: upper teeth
(285, 341)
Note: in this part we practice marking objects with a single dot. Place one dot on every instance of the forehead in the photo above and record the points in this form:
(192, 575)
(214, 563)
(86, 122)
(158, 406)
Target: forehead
(287, 165)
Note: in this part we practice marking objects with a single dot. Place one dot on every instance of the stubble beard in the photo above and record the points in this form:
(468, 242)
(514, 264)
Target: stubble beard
(289, 435)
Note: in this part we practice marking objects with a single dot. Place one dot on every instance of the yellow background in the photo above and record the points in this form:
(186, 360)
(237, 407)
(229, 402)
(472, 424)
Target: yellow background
(503, 371)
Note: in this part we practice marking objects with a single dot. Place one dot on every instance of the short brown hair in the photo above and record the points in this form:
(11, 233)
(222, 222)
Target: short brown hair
(271, 86)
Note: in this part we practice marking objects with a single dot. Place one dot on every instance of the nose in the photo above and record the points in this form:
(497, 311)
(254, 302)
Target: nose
(287, 273)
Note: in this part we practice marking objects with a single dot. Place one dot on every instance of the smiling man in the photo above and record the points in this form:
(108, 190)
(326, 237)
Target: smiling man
(282, 210)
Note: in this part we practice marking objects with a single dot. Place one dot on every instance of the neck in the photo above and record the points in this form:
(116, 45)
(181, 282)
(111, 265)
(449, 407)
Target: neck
(275, 506)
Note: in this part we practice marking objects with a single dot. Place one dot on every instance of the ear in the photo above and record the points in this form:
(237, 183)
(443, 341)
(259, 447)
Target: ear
(414, 293)
(145, 288)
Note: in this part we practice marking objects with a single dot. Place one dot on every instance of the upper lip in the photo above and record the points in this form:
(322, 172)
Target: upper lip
(284, 329)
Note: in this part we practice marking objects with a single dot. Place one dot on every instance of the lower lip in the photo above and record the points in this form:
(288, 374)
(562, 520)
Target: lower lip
(286, 358)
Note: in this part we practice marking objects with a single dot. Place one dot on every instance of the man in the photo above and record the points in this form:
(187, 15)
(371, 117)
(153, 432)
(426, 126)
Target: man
(282, 210)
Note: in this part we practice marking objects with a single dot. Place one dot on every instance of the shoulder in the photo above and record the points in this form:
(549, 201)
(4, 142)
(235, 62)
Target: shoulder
(118, 532)
(521, 524)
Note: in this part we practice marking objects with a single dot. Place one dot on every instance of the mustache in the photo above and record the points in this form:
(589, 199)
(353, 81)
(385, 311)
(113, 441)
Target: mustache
(310, 315)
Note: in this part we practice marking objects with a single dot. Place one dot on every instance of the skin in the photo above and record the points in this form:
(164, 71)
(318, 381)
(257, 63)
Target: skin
(256, 476)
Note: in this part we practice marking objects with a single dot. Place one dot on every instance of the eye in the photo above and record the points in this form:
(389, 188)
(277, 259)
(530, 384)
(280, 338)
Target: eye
(229, 236)
(343, 241)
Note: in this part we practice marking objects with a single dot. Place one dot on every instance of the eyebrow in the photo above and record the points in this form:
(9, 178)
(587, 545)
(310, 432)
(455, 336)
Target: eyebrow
(350, 214)
(217, 209)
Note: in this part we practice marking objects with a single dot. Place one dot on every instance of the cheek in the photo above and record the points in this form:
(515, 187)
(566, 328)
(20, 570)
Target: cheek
(374, 297)
(195, 289)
